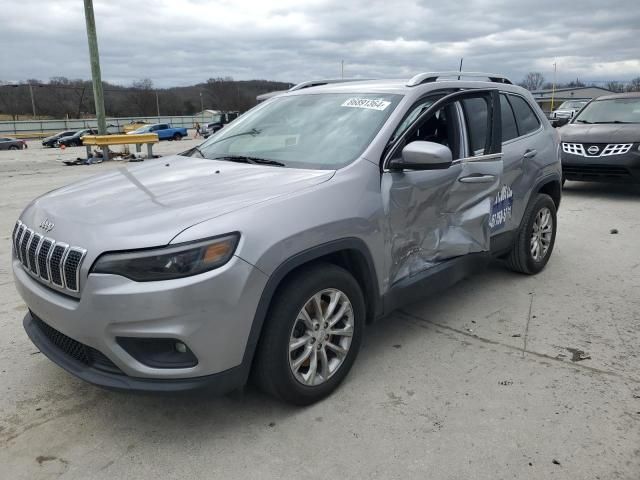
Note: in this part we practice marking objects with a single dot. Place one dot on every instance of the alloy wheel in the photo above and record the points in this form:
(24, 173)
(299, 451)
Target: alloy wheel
(542, 234)
(321, 337)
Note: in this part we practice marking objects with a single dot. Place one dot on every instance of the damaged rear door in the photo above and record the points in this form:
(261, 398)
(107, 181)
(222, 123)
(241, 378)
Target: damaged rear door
(436, 215)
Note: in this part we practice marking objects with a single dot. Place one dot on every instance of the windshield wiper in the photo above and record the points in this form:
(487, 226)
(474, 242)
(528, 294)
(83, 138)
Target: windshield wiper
(584, 121)
(189, 152)
(613, 121)
(253, 131)
(251, 160)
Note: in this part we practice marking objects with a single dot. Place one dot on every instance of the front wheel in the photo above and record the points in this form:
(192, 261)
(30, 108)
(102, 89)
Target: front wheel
(534, 240)
(13, 147)
(312, 335)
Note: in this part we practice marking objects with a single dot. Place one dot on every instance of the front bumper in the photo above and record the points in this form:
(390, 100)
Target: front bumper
(112, 379)
(623, 168)
(212, 313)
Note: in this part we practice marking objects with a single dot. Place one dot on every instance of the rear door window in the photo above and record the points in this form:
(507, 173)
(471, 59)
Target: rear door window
(526, 119)
(509, 128)
(476, 113)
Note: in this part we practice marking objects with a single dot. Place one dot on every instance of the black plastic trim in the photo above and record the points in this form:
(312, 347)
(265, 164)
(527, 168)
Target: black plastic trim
(434, 280)
(218, 383)
(296, 261)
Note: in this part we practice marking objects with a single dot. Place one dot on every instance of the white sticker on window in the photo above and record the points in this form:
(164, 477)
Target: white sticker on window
(368, 103)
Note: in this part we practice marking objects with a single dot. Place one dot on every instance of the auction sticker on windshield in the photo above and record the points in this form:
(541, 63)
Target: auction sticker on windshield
(368, 103)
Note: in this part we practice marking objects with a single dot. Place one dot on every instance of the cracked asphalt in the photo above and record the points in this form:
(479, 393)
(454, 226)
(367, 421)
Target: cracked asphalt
(503, 376)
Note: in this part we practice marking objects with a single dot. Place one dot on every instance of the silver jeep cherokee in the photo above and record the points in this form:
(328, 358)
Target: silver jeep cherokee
(268, 248)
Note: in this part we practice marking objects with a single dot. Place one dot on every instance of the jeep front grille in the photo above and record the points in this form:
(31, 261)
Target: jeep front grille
(595, 149)
(52, 262)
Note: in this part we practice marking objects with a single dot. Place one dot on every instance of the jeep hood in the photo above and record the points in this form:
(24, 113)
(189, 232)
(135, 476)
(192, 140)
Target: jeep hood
(600, 133)
(149, 204)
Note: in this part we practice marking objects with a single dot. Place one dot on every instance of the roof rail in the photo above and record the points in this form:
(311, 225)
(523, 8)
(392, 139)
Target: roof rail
(317, 83)
(428, 77)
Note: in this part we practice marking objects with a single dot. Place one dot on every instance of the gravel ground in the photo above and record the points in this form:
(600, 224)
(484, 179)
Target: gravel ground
(484, 382)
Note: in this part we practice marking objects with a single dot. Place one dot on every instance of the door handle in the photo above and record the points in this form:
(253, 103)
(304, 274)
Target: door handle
(478, 179)
(530, 153)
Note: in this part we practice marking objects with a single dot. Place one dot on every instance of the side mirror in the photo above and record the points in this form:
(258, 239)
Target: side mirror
(421, 155)
(560, 122)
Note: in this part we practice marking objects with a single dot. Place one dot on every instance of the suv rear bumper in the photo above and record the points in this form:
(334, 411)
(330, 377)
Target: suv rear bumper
(615, 168)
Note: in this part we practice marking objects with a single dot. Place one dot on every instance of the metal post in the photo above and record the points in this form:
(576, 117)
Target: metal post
(33, 103)
(553, 89)
(94, 57)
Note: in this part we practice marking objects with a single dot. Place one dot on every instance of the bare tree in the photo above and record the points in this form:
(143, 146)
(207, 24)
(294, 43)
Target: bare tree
(142, 95)
(614, 86)
(577, 83)
(633, 85)
(533, 81)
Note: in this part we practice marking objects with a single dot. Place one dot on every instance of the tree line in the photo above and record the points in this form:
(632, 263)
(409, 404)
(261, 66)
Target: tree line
(61, 97)
(536, 81)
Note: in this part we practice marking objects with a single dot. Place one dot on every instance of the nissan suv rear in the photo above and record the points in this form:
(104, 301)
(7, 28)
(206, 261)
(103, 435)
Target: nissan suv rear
(268, 248)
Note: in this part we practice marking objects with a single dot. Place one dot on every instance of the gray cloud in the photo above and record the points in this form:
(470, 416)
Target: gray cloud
(181, 42)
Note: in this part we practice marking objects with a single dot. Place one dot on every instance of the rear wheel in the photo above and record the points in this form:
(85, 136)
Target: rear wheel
(312, 335)
(535, 238)
(177, 136)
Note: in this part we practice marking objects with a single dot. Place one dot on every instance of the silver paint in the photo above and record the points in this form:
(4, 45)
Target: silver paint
(409, 221)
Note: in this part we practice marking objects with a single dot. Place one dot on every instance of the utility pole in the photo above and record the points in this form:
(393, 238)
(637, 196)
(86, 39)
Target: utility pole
(460, 67)
(94, 57)
(342, 70)
(33, 103)
(553, 89)
(158, 105)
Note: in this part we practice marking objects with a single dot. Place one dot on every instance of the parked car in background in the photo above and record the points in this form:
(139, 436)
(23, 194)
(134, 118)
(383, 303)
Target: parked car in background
(602, 142)
(218, 122)
(51, 141)
(267, 248)
(75, 140)
(164, 131)
(134, 125)
(568, 109)
(9, 143)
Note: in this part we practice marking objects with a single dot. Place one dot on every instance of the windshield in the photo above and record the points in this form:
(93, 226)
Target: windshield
(320, 131)
(142, 129)
(571, 105)
(618, 110)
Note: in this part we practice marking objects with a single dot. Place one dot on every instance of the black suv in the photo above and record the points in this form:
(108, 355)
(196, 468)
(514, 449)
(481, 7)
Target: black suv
(602, 143)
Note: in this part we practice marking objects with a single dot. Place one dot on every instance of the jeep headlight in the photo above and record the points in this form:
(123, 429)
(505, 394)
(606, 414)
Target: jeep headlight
(166, 263)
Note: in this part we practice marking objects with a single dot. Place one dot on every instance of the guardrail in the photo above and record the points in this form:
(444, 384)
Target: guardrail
(104, 141)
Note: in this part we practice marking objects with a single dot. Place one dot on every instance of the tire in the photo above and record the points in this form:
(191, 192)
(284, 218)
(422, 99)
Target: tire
(177, 136)
(13, 147)
(521, 258)
(274, 369)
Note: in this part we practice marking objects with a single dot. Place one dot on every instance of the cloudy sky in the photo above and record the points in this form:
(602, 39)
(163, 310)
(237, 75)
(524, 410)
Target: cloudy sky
(181, 42)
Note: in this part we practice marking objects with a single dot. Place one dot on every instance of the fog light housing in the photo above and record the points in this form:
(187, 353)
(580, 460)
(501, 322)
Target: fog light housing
(159, 352)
